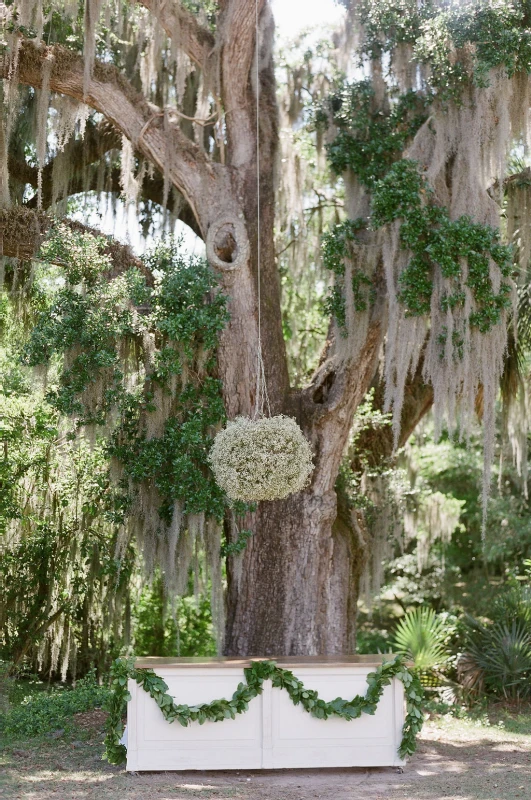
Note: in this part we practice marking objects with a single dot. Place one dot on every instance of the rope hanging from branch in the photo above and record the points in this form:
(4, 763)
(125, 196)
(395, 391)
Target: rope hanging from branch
(263, 457)
(262, 398)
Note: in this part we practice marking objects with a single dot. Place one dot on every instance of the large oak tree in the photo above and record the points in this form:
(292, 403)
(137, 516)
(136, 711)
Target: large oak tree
(298, 587)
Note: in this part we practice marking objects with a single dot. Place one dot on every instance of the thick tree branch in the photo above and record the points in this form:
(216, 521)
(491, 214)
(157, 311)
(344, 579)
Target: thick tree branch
(182, 26)
(204, 184)
(98, 140)
(22, 232)
(238, 35)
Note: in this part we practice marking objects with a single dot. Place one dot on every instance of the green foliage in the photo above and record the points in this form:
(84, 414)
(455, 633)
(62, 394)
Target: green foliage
(80, 255)
(186, 306)
(497, 657)
(62, 561)
(369, 140)
(459, 42)
(255, 675)
(137, 361)
(87, 318)
(426, 585)
(455, 470)
(335, 249)
(187, 309)
(370, 640)
(437, 242)
(514, 605)
(234, 548)
(175, 462)
(421, 636)
(92, 321)
(46, 711)
(159, 629)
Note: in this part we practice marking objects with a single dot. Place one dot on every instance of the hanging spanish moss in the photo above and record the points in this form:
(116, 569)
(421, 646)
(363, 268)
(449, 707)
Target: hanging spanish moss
(41, 124)
(156, 61)
(150, 396)
(384, 492)
(470, 293)
(433, 520)
(304, 212)
(515, 429)
(68, 112)
(4, 169)
(404, 516)
(58, 549)
(129, 183)
(213, 531)
(92, 14)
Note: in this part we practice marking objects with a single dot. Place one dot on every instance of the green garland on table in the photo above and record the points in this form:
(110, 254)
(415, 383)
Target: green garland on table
(255, 675)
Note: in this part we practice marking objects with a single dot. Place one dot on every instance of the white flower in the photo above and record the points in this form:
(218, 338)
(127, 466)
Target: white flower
(262, 459)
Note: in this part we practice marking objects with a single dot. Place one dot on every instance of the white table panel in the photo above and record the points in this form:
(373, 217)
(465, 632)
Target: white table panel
(273, 733)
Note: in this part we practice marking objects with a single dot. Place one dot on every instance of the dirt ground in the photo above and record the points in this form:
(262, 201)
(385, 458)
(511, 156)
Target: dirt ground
(456, 760)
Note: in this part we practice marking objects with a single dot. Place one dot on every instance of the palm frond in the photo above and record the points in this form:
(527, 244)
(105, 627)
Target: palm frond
(421, 637)
(497, 658)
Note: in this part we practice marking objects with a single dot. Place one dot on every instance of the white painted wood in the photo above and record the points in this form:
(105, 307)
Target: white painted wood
(131, 727)
(273, 733)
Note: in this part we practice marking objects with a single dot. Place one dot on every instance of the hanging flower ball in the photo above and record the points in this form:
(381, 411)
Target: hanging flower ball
(263, 459)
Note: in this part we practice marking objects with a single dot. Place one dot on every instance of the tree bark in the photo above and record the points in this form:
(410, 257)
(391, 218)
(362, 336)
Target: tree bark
(297, 590)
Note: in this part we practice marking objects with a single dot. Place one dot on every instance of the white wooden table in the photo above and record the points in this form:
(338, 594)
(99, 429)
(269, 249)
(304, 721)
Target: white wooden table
(273, 733)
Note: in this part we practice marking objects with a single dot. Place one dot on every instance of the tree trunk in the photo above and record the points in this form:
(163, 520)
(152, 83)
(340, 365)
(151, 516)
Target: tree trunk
(296, 592)
(299, 587)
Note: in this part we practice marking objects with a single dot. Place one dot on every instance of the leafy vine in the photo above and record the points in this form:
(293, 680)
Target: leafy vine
(255, 675)
(237, 547)
(436, 241)
(369, 139)
(460, 43)
(99, 333)
(460, 46)
(336, 247)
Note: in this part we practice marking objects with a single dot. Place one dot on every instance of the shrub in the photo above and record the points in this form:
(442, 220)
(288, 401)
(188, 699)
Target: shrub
(159, 632)
(422, 636)
(497, 657)
(47, 711)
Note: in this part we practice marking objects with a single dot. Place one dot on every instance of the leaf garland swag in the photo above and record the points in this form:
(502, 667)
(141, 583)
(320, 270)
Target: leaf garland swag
(255, 675)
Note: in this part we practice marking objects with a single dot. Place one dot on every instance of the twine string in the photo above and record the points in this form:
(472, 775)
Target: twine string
(262, 397)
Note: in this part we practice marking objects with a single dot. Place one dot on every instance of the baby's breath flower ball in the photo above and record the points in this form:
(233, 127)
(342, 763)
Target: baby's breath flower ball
(261, 459)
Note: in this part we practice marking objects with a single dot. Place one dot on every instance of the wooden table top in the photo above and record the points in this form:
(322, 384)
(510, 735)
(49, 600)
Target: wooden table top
(286, 662)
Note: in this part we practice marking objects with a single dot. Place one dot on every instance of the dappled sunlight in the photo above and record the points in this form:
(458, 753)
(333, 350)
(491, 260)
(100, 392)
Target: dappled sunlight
(49, 776)
(457, 760)
(200, 786)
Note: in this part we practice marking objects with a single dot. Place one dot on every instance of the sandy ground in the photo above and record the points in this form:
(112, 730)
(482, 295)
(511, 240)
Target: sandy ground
(456, 760)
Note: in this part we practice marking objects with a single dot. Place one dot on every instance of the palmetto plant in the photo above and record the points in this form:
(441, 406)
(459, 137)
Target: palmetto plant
(421, 636)
(497, 659)
(514, 605)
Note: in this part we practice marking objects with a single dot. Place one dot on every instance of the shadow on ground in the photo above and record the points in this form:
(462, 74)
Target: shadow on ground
(455, 761)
